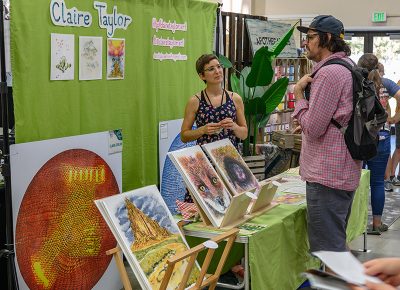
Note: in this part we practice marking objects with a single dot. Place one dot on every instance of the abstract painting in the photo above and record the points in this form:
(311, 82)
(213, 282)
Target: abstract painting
(90, 58)
(61, 238)
(62, 57)
(203, 182)
(231, 166)
(147, 234)
(115, 58)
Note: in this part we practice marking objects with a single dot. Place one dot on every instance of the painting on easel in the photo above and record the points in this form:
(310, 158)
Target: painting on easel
(147, 234)
(231, 166)
(203, 182)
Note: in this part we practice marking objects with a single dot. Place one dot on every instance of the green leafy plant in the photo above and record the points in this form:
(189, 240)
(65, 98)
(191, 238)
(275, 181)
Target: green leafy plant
(253, 84)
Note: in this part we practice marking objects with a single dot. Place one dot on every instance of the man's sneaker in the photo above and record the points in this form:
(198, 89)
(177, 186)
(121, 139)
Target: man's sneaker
(388, 185)
(395, 181)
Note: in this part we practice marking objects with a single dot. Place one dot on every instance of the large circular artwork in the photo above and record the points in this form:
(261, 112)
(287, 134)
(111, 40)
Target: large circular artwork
(61, 237)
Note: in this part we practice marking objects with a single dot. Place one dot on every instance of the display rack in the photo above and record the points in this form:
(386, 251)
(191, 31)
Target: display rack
(190, 254)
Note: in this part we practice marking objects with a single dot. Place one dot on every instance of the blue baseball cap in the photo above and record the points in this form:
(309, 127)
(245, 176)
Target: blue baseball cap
(325, 23)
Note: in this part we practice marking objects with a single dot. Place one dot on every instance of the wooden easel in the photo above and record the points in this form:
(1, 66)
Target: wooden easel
(265, 196)
(238, 212)
(191, 254)
(234, 215)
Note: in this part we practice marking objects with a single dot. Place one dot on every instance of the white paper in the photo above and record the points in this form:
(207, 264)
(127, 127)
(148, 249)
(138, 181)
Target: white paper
(90, 58)
(62, 57)
(344, 264)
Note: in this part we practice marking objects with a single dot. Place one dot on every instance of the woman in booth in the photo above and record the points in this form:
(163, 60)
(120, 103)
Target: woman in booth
(218, 113)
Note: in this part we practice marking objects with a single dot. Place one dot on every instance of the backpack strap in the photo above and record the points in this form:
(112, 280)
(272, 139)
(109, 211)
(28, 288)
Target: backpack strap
(329, 62)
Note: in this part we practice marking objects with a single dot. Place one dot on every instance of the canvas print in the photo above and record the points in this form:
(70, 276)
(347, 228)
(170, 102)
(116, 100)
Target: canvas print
(115, 58)
(60, 237)
(147, 234)
(231, 166)
(90, 58)
(62, 57)
(203, 182)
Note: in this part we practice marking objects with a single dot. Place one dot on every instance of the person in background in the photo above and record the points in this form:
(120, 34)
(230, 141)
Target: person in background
(218, 114)
(326, 165)
(394, 91)
(387, 269)
(378, 164)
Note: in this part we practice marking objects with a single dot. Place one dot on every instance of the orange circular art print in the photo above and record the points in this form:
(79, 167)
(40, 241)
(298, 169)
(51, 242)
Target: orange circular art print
(61, 237)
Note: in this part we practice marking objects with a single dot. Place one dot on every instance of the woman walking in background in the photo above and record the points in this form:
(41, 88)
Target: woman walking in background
(378, 164)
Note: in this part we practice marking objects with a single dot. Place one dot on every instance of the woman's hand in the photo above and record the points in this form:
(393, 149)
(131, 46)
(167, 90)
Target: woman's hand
(228, 123)
(211, 129)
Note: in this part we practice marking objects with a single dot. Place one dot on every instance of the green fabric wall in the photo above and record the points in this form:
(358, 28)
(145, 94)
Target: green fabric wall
(152, 90)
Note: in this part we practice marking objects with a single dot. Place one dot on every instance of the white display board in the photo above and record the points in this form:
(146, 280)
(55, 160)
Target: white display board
(60, 235)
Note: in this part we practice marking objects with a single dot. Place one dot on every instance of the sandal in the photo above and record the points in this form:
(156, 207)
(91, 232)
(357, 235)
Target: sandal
(382, 228)
(373, 231)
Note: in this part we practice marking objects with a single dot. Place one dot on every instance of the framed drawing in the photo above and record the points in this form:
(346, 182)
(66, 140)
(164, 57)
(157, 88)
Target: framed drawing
(231, 166)
(147, 234)
(203, 182)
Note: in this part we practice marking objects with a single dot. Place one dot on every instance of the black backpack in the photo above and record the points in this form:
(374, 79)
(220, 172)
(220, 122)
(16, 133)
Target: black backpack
(368, 117)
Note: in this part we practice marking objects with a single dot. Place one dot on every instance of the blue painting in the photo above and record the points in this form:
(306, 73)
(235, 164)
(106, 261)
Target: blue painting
(173, 187)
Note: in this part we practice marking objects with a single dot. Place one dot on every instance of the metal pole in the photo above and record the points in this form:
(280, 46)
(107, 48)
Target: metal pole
(8, 251)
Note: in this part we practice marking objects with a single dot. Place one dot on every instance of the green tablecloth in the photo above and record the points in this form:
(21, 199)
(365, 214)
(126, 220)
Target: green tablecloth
(280, 252)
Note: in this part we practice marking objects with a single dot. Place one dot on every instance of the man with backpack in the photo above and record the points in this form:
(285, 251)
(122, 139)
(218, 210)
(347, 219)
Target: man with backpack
(326, 163)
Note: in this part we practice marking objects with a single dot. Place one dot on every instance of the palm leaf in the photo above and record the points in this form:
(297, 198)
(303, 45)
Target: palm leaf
(273, 96)
(235, 85)
(224, 61)
(280, 45)
(254, 106)
(261, 72)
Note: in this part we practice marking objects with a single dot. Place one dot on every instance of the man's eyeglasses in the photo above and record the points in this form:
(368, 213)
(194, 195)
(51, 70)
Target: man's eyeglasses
(311, 36)
(213, 68)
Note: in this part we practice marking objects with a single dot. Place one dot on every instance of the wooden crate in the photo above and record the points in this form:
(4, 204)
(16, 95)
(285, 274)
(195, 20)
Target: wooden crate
(257, 165)
(297, 142)
(283, 139)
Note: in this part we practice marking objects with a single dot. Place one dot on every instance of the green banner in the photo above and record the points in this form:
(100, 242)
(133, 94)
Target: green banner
(162, 40)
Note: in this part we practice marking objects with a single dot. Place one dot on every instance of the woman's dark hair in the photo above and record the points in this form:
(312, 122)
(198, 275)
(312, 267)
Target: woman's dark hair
(370, 62)
(203, 60)
(335, 44)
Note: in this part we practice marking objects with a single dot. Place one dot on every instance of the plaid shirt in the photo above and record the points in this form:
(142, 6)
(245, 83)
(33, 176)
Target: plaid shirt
(324, 156)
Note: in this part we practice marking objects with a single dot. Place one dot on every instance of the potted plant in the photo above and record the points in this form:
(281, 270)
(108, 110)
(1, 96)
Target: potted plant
(253, 84)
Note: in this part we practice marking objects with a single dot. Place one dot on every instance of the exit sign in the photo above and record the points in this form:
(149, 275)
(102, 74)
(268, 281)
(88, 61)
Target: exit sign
(379, 17)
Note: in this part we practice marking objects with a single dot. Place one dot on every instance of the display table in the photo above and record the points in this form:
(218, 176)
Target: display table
(278, 253)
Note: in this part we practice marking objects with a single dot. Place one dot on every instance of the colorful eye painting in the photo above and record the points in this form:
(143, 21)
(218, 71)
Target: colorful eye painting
(61, 238)
(115, 58)
(231, 166)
